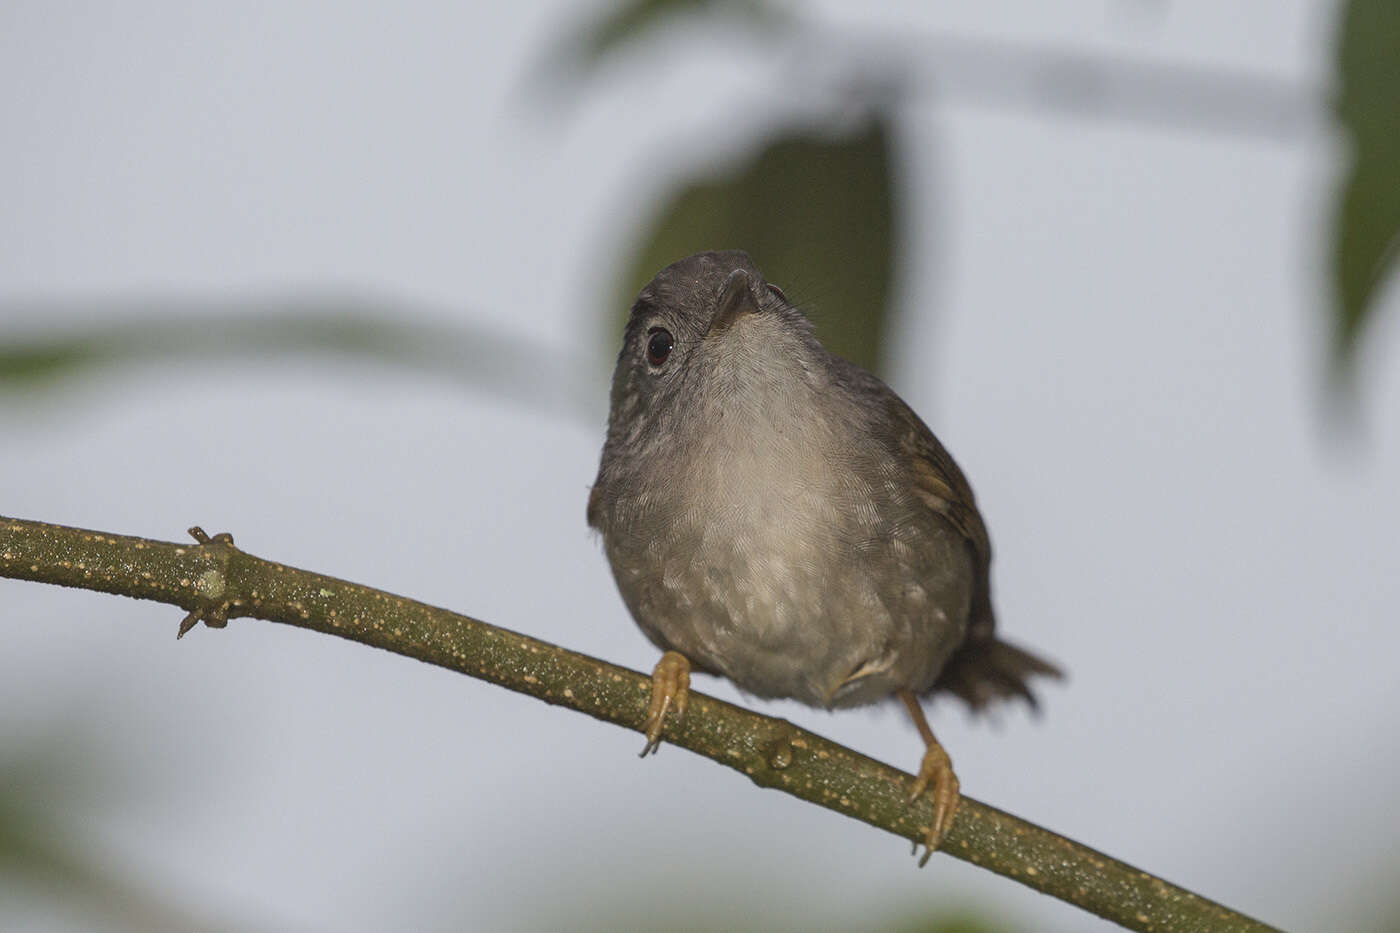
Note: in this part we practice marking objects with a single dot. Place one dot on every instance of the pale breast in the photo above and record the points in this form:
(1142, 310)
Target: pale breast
(786, 560)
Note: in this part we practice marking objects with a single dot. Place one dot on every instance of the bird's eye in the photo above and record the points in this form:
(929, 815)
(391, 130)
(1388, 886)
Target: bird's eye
(659, 345)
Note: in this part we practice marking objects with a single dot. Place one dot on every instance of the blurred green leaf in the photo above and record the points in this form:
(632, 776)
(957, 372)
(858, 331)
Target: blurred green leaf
(45, 781)
(965, 921)
(670, 897)
(815, 210)
(587, 45)
(167, 330)
(1368, 212)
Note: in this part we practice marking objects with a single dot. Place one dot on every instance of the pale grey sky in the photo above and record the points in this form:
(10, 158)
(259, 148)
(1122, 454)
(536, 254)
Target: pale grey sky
(1115, 328)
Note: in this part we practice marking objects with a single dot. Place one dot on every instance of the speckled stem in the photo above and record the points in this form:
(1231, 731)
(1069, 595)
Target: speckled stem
(214, 582)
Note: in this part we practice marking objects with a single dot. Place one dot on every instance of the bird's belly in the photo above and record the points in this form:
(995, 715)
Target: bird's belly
(789, 600)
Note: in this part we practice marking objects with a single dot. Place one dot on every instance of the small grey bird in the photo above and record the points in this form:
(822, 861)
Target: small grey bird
(776, 515)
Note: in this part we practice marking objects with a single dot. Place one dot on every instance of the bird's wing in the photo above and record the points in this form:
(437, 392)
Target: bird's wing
(984, 668)
(941, 485)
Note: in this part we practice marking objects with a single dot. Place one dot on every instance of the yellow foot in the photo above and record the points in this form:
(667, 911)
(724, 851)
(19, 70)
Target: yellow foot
(670, 686)
(935, 773)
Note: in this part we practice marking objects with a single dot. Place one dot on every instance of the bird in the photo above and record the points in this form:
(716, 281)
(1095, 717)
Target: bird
(776, 515)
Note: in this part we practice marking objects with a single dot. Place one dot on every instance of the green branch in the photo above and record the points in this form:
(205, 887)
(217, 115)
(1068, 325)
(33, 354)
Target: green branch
(215, 582)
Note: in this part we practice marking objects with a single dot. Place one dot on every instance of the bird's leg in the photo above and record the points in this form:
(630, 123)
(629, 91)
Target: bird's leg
(935, 771)
(670, 686)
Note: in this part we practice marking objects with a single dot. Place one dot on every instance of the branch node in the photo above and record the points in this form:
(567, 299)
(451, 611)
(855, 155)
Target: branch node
(779, 751)
(213, 611)
(200, 535)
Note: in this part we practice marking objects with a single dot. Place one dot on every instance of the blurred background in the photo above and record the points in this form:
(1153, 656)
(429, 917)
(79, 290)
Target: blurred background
(347, 280)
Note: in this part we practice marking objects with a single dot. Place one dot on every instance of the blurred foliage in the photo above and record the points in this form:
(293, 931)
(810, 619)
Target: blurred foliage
(1368, 208)
(814, 208)
(60, 770)
(815, 205)
(951, 922)
(668, 899)
(33, 774)
(795, 206)
(585, 45)
(171, 330)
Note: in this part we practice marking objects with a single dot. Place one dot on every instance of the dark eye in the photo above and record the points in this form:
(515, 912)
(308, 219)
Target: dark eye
(659, 345)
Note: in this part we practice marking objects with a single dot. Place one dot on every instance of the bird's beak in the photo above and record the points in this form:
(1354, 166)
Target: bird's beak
(736, 298)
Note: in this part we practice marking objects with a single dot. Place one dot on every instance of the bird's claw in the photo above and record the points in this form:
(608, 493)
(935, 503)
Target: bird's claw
(937, 778)
(670, 687)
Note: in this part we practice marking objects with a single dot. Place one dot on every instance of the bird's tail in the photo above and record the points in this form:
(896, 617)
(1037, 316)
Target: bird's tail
(986, 670)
